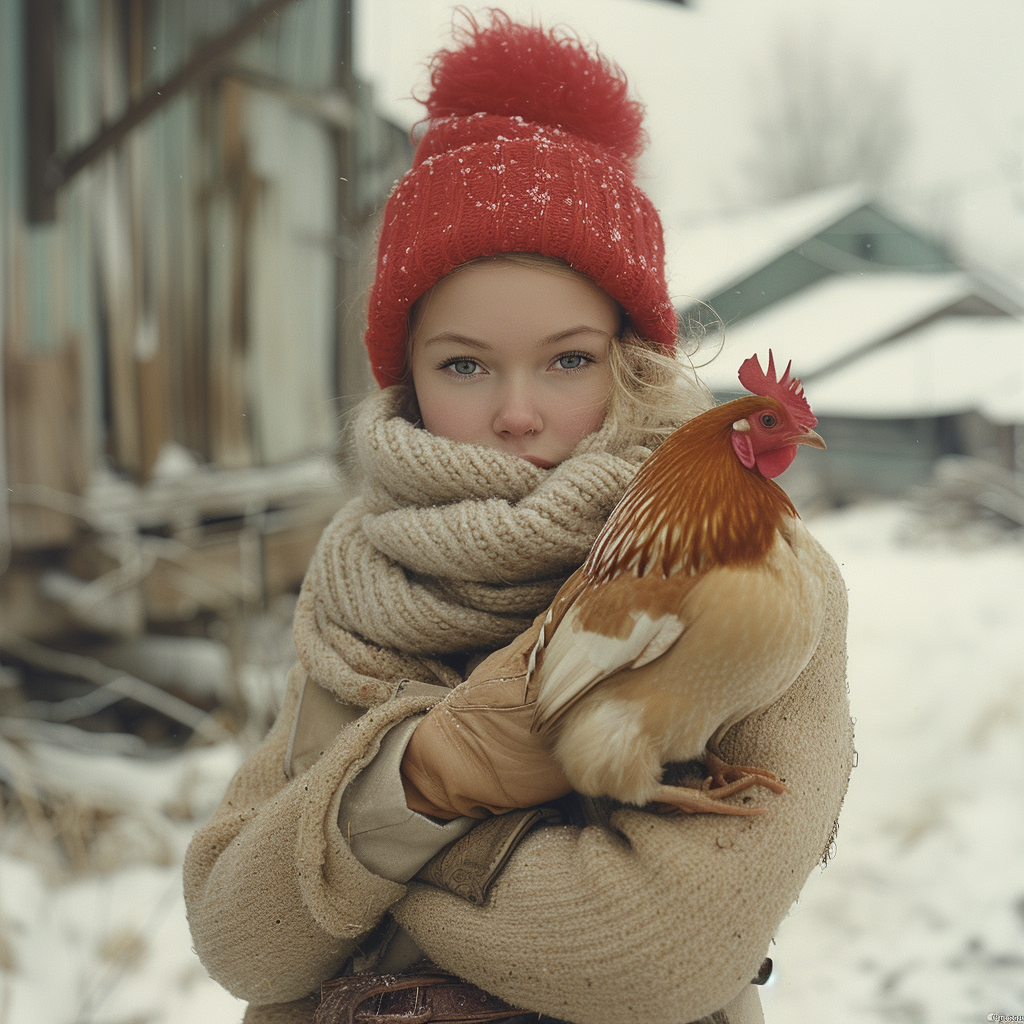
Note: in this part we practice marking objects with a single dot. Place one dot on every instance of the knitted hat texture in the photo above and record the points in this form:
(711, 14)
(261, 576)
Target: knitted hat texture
(530, 147)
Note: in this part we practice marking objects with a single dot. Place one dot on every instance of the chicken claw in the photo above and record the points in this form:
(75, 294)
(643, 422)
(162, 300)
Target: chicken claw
(724, 780)
(736, 777)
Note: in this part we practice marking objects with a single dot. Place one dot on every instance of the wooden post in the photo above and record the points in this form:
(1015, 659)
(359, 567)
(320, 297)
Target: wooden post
(40, 109)
(351, 369)
(116, 261)
(150, 346)
(230, 214)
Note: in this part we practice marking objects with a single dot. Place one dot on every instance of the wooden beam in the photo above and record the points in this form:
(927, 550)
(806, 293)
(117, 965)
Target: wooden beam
(40, 108)
(51, 170)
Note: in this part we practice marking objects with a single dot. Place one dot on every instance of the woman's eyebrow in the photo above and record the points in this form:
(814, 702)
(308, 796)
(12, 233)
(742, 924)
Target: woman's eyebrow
(553, 339)
(475, 343)
(458, 339)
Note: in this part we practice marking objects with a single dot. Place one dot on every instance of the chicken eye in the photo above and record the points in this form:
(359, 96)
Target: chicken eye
(768, 420)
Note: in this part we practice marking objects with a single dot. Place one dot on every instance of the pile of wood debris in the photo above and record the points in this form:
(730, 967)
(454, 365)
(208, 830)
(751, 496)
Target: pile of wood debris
(164, 627)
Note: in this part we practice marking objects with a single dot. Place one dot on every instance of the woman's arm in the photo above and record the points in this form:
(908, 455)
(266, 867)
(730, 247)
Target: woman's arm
(660, 918)
(275, 898)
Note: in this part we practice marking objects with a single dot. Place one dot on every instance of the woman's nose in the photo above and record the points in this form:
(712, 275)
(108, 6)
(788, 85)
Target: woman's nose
(517, 415)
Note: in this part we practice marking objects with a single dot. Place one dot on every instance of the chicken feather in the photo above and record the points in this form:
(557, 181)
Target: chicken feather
(711, 675)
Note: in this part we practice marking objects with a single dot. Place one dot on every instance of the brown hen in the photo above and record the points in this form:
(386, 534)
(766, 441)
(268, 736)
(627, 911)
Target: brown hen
(701, 601)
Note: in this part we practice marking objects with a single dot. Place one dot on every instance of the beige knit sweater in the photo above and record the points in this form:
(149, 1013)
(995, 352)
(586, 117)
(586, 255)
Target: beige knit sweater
(655, 919)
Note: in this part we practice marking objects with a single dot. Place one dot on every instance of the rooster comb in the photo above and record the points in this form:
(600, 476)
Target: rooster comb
(546, 76)
(789, 391)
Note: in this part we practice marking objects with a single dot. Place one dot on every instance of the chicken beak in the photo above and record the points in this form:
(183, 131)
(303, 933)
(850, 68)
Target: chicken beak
(810, 437)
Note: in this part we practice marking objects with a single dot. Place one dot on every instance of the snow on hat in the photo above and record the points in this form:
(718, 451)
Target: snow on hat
(530, 147)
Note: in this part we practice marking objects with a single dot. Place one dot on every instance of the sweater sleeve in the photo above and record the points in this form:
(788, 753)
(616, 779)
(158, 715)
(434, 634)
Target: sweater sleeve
(383, 834)
(661, 918)
(275, 898)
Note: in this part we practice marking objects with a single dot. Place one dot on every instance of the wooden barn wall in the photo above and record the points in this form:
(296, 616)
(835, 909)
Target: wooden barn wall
(198, 281)
(291, 281)
(49, 336)
(256, 182)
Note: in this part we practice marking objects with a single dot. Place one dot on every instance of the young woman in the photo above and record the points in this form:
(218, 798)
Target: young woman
(521, 331)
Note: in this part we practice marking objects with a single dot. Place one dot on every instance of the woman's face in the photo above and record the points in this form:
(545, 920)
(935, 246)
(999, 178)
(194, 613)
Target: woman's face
(514, 357)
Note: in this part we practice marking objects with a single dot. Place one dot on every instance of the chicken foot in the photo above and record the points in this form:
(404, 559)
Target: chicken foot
(724, 780)
(673, 799)
(723, 776)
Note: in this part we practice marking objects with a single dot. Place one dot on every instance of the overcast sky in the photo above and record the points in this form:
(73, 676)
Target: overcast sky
(697, 69)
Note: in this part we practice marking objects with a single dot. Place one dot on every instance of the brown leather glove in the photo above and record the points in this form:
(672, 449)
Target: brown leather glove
(473, 754)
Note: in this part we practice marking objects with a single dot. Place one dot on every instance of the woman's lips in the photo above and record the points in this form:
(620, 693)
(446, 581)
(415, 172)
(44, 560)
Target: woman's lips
(538, 461)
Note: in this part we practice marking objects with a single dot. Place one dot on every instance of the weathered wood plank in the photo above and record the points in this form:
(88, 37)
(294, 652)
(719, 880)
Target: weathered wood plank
(230, 212)
(43, 426)
(115, 249)
(290, 298)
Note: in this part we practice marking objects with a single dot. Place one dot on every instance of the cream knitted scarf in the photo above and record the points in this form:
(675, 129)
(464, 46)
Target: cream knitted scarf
(449, 548)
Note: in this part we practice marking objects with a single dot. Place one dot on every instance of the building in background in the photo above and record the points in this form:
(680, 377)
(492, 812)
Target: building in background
(181, 303)
(907, 356)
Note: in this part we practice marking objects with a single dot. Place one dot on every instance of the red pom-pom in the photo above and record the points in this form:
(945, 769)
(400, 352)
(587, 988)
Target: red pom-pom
(545, 76)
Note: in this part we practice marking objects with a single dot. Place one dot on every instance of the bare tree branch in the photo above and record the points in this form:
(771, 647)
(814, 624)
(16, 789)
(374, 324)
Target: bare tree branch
(824, 116)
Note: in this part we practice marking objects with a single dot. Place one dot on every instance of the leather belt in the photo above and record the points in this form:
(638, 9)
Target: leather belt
(420, 994)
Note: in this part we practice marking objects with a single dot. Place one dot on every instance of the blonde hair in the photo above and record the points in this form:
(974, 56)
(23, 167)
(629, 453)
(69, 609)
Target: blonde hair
(653, 391)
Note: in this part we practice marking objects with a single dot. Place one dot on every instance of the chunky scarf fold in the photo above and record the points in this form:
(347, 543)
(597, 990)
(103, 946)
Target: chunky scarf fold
(449, 548)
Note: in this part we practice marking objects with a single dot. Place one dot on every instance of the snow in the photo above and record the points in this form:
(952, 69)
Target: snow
(113, 948)
(112, 945)
(704, 258)
(918, 917)
(832, 320)
(194, 779)
(950, 366)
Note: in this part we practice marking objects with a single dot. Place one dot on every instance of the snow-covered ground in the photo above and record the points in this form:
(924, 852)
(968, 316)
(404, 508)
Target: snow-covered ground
(112, 946)
(918, 918)
(920, 915)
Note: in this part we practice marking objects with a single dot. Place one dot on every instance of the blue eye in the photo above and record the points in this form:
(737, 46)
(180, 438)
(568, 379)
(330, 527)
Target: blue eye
(572, 360)
(464, 367)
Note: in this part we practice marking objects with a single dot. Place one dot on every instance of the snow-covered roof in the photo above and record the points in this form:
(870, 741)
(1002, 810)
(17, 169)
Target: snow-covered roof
(704, 259)
(952, 365)
(833, 320)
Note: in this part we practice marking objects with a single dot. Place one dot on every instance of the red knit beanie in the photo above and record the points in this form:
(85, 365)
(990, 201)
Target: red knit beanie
(530, 148)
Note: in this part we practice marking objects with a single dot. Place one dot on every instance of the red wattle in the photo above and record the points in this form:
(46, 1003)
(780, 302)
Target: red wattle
(773, 463)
